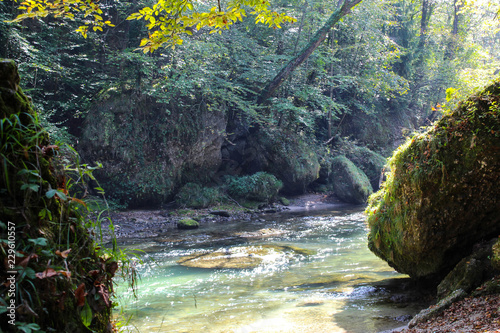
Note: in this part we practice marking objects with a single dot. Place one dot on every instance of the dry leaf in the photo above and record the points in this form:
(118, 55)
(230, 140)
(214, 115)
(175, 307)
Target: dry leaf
(63, 254)
(47, 273)
(80, 294)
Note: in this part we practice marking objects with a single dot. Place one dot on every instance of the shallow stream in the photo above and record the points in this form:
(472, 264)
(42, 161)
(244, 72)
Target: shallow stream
(330, 282)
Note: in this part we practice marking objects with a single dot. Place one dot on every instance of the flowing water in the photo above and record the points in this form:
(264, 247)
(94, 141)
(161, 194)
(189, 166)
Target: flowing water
(333, 283)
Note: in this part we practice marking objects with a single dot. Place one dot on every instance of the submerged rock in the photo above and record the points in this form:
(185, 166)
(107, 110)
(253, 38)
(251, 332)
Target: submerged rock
(240, 257)
(350, 184)
(442, 195)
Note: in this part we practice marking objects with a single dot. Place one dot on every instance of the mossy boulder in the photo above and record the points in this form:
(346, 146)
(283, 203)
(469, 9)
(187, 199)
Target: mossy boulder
(349, 183)
(370, 162)
(442, 195)
(291, 159)
(186, 224)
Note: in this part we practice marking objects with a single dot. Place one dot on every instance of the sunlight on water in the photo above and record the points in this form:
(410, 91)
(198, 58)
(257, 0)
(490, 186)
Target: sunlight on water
(326, 285)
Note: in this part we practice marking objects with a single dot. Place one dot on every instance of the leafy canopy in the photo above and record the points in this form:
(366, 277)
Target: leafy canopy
(167, 20)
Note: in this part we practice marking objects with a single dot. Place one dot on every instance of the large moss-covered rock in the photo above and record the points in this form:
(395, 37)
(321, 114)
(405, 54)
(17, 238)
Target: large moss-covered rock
(370, 162)
(350, 184)
(290, 159)
(442, 195)
(148, 149)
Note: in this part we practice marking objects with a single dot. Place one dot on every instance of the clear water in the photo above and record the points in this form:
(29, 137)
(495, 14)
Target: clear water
(342, 287)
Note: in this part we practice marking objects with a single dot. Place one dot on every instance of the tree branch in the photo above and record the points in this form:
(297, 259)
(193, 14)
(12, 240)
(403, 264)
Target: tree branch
(318, 38)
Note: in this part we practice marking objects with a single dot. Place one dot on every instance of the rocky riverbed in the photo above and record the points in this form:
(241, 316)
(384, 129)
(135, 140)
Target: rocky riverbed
(160, 222)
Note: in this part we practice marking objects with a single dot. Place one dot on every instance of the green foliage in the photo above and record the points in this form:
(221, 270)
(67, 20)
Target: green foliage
(166, 19)
(369, 78)
(193, 195)
(260, 186)
(187, 17)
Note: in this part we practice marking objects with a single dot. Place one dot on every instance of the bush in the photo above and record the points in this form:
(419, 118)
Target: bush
(260, 186)
(195, 196)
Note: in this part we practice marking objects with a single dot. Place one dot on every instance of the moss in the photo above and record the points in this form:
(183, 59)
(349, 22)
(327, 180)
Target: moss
(260, 186)
(495, 258)
(187, 224)
(284, 201)
(441, 194)
(195, 196)
(370, 162)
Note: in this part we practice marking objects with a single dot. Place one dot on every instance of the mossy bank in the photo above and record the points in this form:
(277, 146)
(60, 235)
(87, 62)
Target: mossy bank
(53, 279)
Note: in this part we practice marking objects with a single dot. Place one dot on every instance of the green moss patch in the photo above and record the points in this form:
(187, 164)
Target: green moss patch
(186, 224)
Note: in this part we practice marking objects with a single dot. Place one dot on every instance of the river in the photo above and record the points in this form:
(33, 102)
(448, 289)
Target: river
(329, 282)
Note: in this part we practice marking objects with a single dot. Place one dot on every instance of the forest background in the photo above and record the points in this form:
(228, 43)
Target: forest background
(155, 119)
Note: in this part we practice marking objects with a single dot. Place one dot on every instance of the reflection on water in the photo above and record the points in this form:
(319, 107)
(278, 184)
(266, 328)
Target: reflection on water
(339, 287)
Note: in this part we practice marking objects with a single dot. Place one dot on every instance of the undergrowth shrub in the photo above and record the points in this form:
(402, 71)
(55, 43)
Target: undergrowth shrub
(260, 186)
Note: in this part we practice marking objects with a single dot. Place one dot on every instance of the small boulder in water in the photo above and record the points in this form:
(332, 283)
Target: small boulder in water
(187, 224)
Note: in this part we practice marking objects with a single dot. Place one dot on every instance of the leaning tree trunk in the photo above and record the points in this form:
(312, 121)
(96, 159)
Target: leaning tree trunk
(317, 39)
(450, 52)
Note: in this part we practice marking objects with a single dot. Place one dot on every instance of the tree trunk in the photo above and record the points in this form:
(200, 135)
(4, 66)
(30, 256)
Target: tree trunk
(424, 21)
(452, 44)
(317, 39)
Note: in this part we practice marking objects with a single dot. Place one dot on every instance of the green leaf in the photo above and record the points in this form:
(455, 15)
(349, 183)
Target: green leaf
(33, 187)
(86, 314)
(50, 193)
(62, 196)
(39, 241)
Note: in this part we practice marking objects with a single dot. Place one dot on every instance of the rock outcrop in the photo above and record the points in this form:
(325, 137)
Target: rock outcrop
(147, 151)
(442, 195)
